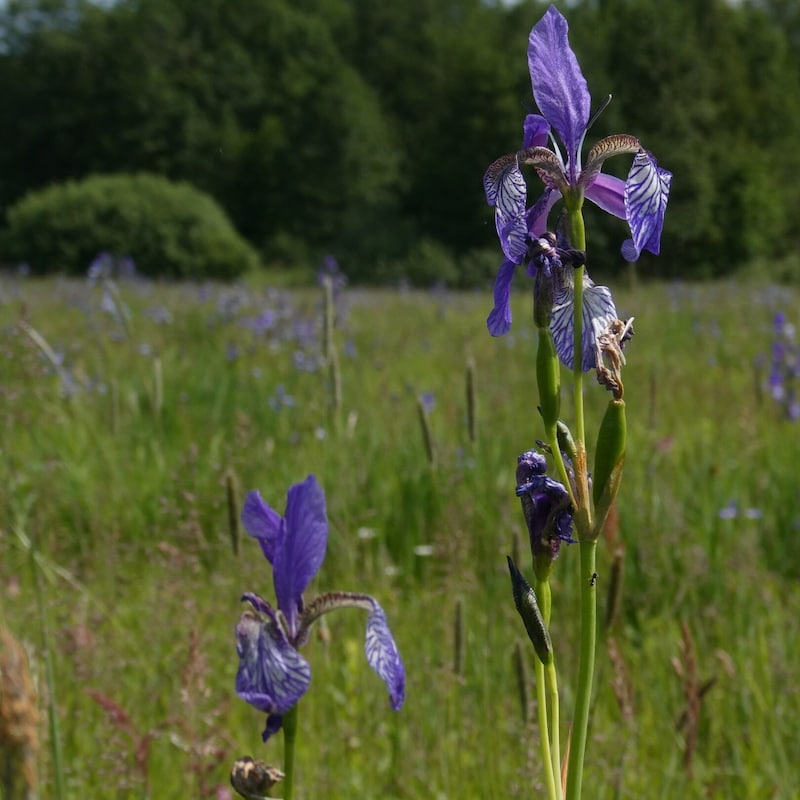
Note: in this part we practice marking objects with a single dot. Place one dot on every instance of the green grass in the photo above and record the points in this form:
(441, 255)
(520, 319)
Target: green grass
(121, 485)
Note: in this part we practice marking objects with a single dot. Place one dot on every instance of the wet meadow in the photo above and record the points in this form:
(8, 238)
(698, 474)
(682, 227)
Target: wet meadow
(136, 415)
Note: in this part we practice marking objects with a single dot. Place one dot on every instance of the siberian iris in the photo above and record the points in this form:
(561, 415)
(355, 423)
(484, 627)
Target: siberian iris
(547, 509)
(272, 674)
(561, 93)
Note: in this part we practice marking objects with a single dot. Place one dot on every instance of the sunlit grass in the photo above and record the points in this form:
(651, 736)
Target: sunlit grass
(121, 482)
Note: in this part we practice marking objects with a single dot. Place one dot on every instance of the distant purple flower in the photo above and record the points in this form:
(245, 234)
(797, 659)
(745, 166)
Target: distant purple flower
(428, 401)
(784, 368)
(330, 270)
(272, 674)
(281, 399)
(561, 93)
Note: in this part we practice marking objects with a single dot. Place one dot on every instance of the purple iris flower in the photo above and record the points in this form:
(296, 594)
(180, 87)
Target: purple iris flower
(562, 96)
(272, 675)
(546, 506)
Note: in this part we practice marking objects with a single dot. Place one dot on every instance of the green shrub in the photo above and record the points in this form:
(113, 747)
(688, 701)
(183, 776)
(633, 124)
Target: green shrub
(168, 229)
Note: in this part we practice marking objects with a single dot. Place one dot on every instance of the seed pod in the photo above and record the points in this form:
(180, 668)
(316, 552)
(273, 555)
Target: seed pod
(608, 461)
(525, 601)
(548, 378)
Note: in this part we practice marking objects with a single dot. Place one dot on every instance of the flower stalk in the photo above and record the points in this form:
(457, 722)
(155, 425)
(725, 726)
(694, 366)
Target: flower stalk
(577, 323)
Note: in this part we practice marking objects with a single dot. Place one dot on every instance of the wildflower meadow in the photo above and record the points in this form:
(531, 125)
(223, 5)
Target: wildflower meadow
(123, 452)
(561, 516)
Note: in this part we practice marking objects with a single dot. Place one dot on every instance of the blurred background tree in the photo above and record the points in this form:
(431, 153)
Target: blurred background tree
(363, 129)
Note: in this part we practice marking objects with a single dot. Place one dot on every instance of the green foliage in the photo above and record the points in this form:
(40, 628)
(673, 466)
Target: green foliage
(359, 128)
(169, 229)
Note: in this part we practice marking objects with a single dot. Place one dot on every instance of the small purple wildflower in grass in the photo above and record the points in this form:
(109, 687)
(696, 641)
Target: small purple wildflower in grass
(783, 371)
(428, 400)
(272, 674)
(330, 269)
(159, 314)
(281, 399)
(733, 511)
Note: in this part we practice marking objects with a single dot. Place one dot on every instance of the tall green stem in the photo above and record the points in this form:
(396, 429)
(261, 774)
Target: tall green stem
(580, 721)
(550, 757)
(577, 236)
(289, 736)
(549, 684)
(550, 776)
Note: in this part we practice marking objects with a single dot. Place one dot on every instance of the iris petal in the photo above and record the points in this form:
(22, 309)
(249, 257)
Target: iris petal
(263, 523)
(272, 675)
(646, 195)
(608, 192)
(383, 657)
(559, 87)
(304, 544)
(499, 320)
(513, 235)
(598, 313)
(536, 215)
(536, 129)
(505, 187)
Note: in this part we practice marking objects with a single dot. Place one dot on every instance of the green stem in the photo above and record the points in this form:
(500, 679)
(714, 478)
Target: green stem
(552, 687)
(549, 678)
(561, 469)
(289, 736)
(577, 236)
(552, 775)
(580, 722)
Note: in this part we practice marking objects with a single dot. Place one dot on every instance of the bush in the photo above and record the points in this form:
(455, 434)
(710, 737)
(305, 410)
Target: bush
(168, 229)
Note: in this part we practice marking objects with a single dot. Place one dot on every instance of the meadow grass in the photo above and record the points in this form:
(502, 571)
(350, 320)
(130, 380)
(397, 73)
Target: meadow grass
(115, 453)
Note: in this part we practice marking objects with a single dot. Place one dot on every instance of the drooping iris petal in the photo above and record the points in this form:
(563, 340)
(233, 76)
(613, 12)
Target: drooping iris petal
(598, 312)
(513, 235)
(505, 186)
(303, 548)
(383, 657)
(272, 675)
(559, 87)
(499, 320)
(262, 523)
(646, 195)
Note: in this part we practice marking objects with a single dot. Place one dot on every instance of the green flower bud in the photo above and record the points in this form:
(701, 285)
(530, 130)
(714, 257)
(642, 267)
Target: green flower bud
(548, 378)
(525, 601)
(609, 460)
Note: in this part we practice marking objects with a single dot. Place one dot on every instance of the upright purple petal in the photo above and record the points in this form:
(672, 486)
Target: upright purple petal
(499, 320)
(272, 675)
(559, 87)
(646, 195)
(262, 523)
(536, 131)
(303, 548)
(383, 657)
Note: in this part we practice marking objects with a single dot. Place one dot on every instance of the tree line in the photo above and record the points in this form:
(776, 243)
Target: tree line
(362, 129)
